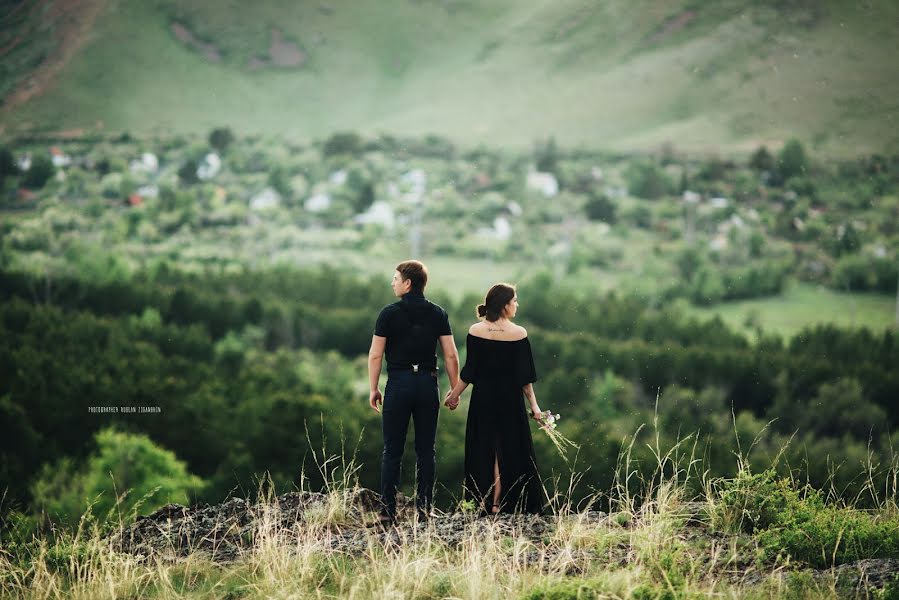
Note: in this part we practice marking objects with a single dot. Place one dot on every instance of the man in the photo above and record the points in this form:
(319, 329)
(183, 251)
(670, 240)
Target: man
(407, 333)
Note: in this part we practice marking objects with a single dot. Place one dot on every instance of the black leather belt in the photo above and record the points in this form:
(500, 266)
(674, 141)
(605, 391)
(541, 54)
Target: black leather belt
(415, 369)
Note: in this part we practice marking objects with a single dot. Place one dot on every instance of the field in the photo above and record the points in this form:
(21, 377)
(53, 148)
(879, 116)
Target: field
(802, 305)
(621, 75)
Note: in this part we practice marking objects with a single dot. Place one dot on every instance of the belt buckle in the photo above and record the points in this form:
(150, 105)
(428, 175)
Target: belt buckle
(415, 368)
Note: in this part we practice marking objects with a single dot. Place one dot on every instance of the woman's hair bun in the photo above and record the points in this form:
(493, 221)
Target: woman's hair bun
(482, 310)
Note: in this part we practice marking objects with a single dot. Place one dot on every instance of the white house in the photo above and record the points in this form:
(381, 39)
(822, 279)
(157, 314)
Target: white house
(338, 177)
(545, 183)
(59, 158)
(267, 199)
(691, 197)
(318, 202)
(209, 167)
(147, 163)
(379, 213)
(148, 191)
(502, 228)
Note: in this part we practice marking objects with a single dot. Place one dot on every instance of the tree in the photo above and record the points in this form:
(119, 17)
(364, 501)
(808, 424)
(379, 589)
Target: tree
(42, 169)
(188, 172)
(689, 260)
(7, 165)
(361, 189)
(342, 143)
(761, 160)
(220, 138)
(840, 408)
(791, 162)
(600, 208)
(127, 474)
(647, 180)
(546, 155)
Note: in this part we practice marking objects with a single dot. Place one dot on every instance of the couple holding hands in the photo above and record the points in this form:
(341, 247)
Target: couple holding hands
(500, 467)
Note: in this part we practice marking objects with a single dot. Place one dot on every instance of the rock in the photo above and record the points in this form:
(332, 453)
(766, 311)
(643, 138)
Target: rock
(867, 574)
(226, 531)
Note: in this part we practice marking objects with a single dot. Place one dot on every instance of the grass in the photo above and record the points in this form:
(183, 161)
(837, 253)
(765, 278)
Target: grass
(804, 304)
(653, 546)
(501, 73)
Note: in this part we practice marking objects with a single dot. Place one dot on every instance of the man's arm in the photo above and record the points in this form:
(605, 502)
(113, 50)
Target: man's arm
(375, 356)
(450, 358)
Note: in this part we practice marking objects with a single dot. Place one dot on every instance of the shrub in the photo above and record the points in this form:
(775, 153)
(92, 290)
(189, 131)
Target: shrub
(787, 521)
(861, 272)
(220, 138)
(188, 171)
(128, 473)
(600, 208)
(638, 216)
(546, 155)
(647, 180)
(42, 169)
(792, 162)
(7, 165)
(688, 261)
(761, 160)
(342, 143)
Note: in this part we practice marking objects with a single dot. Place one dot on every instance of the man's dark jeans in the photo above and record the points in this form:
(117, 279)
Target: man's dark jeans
(409, 394)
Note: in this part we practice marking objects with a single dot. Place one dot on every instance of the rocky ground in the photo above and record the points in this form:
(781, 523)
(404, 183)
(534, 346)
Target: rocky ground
(227, 531)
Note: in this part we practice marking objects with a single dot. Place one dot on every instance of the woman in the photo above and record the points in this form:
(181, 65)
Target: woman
(500, 468)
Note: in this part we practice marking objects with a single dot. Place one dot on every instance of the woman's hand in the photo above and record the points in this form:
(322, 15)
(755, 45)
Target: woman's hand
(535, 412)
(451, 401)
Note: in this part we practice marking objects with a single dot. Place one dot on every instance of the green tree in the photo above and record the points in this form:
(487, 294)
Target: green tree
(762, 160)
(342, 143)
(546, 155)
(128, 474)
(220, 138)
(792, 161)
(7, 165)
(689, 261)
(840, 408)
(188, 172)
(42, 169)
(600, 208)
(647, 180)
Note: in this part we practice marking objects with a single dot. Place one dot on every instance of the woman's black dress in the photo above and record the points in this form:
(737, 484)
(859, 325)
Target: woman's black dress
(498, 425)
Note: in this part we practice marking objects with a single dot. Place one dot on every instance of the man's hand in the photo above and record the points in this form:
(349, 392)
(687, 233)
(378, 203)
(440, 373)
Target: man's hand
(451, 401)
(375, 399)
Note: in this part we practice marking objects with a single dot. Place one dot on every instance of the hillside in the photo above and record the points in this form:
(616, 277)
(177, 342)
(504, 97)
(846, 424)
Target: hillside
(621, 75)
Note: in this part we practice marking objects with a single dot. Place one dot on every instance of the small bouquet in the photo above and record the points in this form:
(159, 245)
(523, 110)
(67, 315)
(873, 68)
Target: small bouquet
(547, 421)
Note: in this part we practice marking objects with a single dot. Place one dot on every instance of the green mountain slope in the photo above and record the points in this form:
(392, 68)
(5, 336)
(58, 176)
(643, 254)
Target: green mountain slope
(626, 75)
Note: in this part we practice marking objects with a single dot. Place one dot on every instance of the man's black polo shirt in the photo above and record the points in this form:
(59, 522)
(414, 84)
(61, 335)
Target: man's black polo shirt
(412, 327)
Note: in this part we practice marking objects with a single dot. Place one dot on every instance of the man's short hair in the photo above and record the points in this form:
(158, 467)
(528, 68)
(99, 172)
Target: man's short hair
(416, 272)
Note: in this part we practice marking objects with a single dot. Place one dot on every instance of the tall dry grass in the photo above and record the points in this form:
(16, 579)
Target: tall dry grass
(655, 543)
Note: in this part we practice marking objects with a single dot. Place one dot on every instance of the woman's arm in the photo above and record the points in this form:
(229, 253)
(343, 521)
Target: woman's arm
(532, 399)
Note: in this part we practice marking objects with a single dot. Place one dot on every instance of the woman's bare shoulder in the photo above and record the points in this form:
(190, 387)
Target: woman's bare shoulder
(520, 332)
(476, 327)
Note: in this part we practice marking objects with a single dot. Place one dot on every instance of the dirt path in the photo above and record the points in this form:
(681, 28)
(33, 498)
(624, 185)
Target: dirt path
(71, 22)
